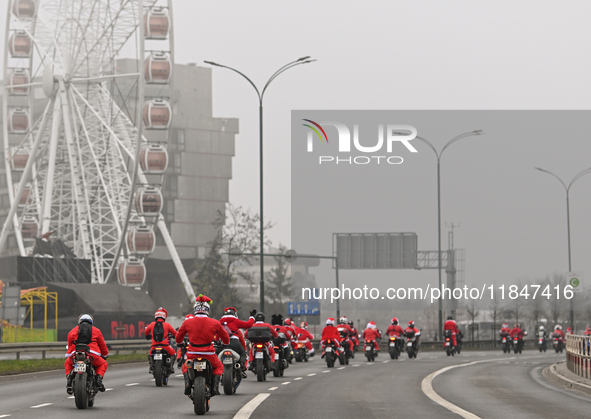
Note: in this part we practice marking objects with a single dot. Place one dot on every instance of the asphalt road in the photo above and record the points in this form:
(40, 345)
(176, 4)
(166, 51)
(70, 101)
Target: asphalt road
(494, 385)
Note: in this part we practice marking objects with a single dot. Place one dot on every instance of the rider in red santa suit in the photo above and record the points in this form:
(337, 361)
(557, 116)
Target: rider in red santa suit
(505, 330)
(305, 337)
(394, 329)
(86, 333)
(292, 331)
(372, 334)
(450, 324)
(237, 343)
(343, 327)
(259, 321)
(330, 332)
(160, 317)
(201, 330)
(355, 336)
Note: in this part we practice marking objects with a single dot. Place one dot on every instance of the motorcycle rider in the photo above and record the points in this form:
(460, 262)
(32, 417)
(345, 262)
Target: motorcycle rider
(411, 328)
(395, 330)
(202, 330)
(303, 336)
(159, 331)
(330, 332)
(182, 349)
(569, 331)
(259, 321)
(347, 332)
(288, 332)
(450, 324)
(372, 334)
(288, 324)
(355, 336)
(517, 331)
(86, 333)
(505, 331)
(558, 333)
(234, 324)
(587, 331)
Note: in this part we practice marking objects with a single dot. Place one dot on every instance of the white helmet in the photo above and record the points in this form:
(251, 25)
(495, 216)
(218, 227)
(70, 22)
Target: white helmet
(330, 321)
(85, 318)
(558, 327)
(541, 328)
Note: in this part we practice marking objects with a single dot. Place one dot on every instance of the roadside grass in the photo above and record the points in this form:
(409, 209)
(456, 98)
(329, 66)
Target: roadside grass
(14, 366)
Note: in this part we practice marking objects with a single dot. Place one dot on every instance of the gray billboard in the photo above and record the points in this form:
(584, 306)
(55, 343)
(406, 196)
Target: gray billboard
(376, 250)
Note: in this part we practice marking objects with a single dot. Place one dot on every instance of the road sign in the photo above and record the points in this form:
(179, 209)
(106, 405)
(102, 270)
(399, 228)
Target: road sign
(303, 308)
(291, 256)
(376, 250)
(575, 280)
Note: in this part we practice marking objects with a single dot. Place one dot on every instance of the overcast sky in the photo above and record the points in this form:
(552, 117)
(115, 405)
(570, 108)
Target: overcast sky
(391, 55)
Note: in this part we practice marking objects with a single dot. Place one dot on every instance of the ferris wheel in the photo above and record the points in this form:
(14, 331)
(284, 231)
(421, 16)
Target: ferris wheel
(86, 116)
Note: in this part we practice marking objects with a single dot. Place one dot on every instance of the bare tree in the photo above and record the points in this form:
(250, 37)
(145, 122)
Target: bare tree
(473, 312)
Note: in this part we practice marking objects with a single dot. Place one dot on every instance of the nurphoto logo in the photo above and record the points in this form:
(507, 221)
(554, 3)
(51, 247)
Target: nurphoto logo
(394, 134)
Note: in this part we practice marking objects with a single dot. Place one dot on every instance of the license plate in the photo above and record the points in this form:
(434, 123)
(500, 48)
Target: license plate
(409, 344)
(504, 340)
(328, 350)
(368, 348)
(199, 366)
(447, 343)
(228, 361)
(276, 357)
(157, 357)
(392, 344)
(259, 355)
(80, 367)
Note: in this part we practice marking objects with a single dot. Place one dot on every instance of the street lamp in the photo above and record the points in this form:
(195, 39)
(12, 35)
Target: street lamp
(438, 155)
(260, 94)
(567, 189)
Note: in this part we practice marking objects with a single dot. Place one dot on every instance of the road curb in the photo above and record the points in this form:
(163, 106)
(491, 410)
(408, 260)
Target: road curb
(553, 374)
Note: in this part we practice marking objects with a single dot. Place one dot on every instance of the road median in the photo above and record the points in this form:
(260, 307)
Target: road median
(562, 377)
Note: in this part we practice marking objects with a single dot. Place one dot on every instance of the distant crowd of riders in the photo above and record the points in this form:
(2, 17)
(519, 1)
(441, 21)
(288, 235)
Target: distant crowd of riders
(205, 349)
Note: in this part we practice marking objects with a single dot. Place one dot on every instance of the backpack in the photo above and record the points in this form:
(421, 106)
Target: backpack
(84, 333)
(158, 332)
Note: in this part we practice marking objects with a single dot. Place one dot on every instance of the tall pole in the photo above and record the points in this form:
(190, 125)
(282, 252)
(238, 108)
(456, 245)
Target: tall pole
(439, 239)
(261, 232)
(567, 190)
(261, 94)
(338, 299)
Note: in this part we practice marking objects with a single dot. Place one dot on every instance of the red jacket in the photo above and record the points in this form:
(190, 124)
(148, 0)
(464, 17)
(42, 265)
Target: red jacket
(504, 331)
(167, 329)
(97, 344)
(371, 334)
(559, 333)
(413, 329)
(346, 328)
(286, 331)
(330, 332)
(394, 330)
(303, 334)
(451, 325)
(235, 324)
(516, 331)
(201, 330)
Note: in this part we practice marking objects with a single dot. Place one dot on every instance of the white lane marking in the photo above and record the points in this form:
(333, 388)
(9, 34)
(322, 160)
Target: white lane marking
(273, 388)
(41, 405)
(153, 379)
(385, 362)
(356, 365)
(108, 389)
(249, 407)
(71, 397)
(179, 375)
(287, 382)
(4, 416)
(298, 378)
(131, 384)
(324, 372)
(312, 375)
(427, 387)
(341, 368)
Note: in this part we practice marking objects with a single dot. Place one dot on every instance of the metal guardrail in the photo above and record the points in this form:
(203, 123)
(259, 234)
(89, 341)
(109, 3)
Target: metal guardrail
(44, 347)
(578, 355)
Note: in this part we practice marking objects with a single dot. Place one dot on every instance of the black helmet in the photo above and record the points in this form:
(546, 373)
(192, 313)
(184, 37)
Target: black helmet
(259, 317)
(450, 318)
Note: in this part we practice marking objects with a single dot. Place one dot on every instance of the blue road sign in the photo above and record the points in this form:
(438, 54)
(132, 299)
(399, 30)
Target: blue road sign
(304, 308)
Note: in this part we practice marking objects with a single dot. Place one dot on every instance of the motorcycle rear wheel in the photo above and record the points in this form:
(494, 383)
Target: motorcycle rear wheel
(158, 373)
(342, 359)
(329, 361)
(260, 370)
(199, 397)
(277, 370)
(80, 394)
(228, 380)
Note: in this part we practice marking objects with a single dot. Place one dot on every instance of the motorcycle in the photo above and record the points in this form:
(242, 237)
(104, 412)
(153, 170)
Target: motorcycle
(84, 383)
(558, 344)
(302, 353)
(506, 343)
(395, 346)
(542, 344)
(330, 350)
(346, 354)
(161, 365)
(411, 344)
(282, 349)
(370, 350)
(232, 375)
(261, 364)
(448, 345)
(517, 344)
(201, 376)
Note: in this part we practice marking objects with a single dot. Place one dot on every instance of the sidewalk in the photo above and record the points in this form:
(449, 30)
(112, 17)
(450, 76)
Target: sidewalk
(560, 375)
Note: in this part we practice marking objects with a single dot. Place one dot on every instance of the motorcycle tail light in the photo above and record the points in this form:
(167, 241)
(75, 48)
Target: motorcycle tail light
(259, 345)
(228, 353)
